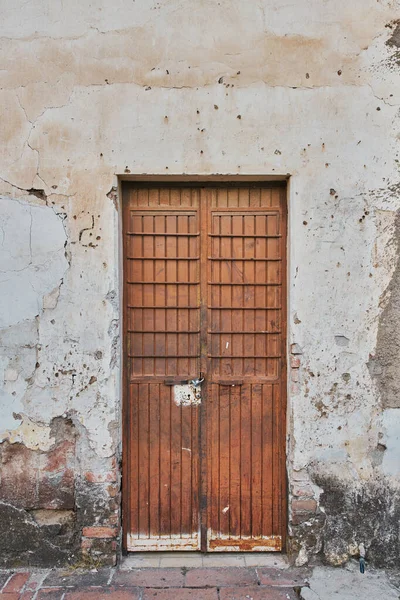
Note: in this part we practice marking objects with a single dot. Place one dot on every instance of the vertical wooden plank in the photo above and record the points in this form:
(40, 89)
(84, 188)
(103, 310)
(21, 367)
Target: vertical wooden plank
(235, 442)
(224, 431)
(246, 459)
(144, 460)
(133, 473)
(154, 458)
(165, 460)
(214, 498)
(267, 459)
(257, 425)
(176, 464)
(186, 475)
(276, 466)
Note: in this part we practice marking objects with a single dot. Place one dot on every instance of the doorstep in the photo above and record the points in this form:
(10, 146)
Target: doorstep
(190, 560)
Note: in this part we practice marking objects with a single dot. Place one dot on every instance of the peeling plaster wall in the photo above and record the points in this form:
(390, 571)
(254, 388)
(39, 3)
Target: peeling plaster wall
(86, 89)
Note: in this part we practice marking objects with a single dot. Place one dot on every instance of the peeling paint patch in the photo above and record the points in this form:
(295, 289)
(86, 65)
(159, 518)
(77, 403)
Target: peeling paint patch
(187, 395)
(384, 365)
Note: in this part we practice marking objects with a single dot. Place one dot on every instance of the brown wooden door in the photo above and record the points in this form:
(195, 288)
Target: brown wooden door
(204, 296)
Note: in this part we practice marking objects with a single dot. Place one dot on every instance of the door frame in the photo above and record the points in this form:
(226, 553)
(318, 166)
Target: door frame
(208, 181)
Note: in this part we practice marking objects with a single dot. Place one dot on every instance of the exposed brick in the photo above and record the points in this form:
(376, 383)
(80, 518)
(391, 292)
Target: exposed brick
(50, 594)
(35, 580)
(25, 596)
(109, 477)
(180, 594)
(99, 532)
(222, 576)
(16, 583)
(294, 388)
(309, 506)
(258, 593)
(112, 490)
(77, 578)
(295, 376)
(152, 578)
(295, 362)
(12, 596)
(34, 480)
(302, 490)
(113, 519)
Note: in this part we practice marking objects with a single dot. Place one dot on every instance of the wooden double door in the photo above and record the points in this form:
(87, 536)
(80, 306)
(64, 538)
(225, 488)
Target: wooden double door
(204, 299)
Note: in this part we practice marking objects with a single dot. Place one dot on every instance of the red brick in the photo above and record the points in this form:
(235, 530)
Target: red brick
(99, 532)
(302, 489)
(222, 576)
(180, 594)
(108, 477)
(258, 593)
(295, 362)
(112, 490)
(103, 594)
(295, 376)
(282, 577)
(304, 506)
(16, 583)
(12, 596)
(151, 578)
(50, 594)
(86, 543)
(26, 596)
(35, 580)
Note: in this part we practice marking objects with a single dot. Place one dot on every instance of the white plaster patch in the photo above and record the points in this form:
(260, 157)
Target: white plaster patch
(32, 260)
(391, 439)
(186, 395)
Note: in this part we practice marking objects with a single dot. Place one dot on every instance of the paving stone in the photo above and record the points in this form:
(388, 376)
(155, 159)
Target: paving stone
(77, 578)
(152, 578)
(16, 583)
(36, 579)
(103, 594)
(284, 578)
(257, 593)
(221, 576)
(50, 594)
(180, 594)
(4, 576)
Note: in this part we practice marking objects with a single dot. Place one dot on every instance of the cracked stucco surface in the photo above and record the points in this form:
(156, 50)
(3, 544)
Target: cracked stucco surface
(86, 89)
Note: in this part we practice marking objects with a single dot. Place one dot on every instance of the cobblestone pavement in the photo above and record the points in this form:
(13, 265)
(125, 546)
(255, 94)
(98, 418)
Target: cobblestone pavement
(200, 583)
(221, 583)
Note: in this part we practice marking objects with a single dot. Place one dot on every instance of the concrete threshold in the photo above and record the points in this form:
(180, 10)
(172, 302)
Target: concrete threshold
(190, 560)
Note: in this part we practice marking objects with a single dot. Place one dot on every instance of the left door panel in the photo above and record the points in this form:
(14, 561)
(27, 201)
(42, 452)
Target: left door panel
(162, 348)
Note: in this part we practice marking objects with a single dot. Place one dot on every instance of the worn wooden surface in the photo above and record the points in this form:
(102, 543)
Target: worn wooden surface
(205, 293)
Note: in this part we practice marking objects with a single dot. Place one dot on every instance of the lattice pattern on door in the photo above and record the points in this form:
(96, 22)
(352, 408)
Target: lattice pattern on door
(204, 292)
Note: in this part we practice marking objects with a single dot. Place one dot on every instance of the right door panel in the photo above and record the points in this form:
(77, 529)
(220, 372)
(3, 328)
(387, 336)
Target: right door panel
(246, 296)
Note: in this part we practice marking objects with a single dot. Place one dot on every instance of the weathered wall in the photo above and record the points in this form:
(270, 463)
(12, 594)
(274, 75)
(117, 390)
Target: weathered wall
(93, 90)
